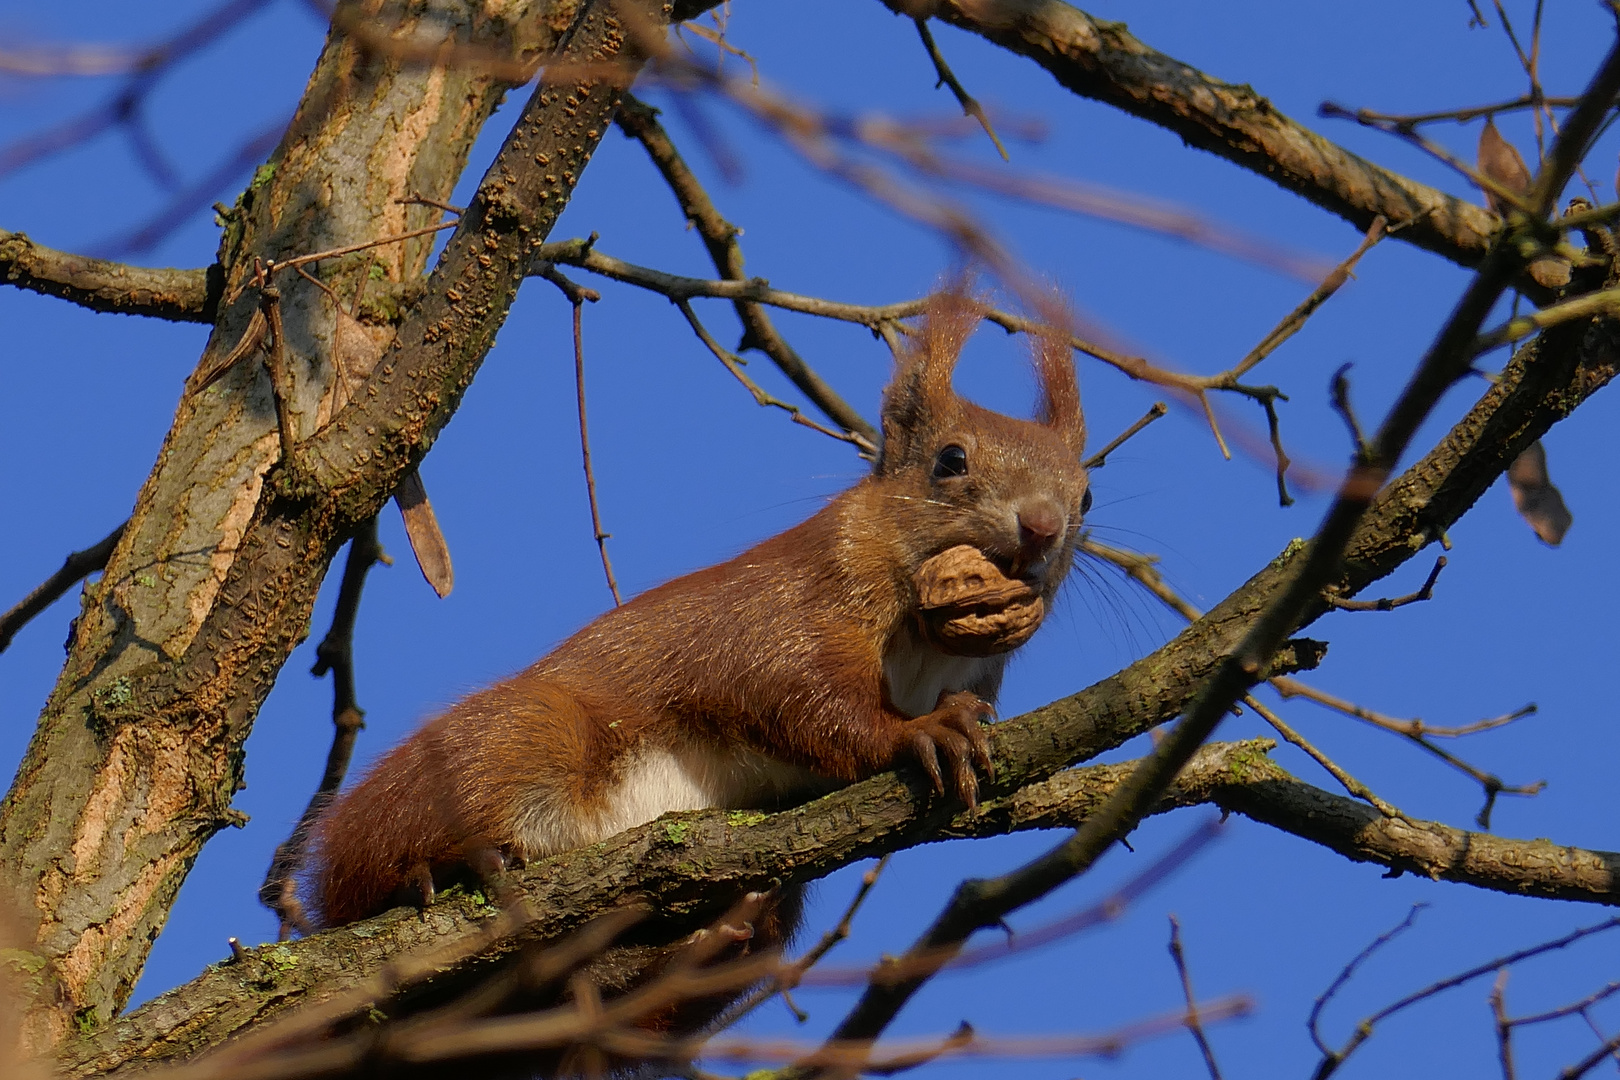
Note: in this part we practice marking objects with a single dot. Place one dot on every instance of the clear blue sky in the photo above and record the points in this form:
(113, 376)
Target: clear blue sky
(690, 471)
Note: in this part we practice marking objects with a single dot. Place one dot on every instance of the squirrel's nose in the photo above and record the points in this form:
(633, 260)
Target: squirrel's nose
(1039, 524)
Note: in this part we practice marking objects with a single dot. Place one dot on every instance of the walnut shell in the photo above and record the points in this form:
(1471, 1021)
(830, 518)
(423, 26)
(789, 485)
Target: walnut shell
(968, 607)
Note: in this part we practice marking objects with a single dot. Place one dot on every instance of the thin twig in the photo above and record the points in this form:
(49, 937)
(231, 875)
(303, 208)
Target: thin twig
(423, 200)
(1463, 115)
(1314, 1020)
(1341, 405)
(578, 298)
(1516, 199)
(1274, 432)
(1100, 458)
(1600, 994)
(75, 567)
(978, 903)
(1355, 787)
(947, 77)
(1419, 734)
(280, 373)
(885, 320)
(1425, 592)
(1332, 1059)
(1614, 1048)
(1591, 1061)
(1504, 1026)
(1290, 687)
(1296, 319)
(791, 975)
(1602, 302)
(640, 122)
(1178, 955)
(734, 364)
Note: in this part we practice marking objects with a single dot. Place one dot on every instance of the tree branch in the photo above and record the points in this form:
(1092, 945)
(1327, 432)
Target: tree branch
(139, 749)
(1100, 60)
(102, 285)
(76, 567)
(640, 122)
(653, 863)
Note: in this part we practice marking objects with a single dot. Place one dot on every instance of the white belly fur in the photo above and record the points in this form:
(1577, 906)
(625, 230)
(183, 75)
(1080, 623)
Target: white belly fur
(655, 781)
(915, 673)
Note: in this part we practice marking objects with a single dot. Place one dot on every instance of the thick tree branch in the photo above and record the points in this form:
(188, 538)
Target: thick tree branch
(653, 864)
(102, 285)
(1100, 60)
(1268, 794)
(139, 750)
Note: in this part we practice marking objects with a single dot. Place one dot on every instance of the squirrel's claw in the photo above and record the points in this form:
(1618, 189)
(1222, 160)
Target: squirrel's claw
(927, 753)
(955, 728)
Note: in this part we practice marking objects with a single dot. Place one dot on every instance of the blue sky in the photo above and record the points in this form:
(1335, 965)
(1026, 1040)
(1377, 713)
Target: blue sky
(689, 471)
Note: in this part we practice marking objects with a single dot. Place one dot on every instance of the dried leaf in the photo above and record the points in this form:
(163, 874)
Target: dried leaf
(427, 542)
(1534, 496)
(1500, 161)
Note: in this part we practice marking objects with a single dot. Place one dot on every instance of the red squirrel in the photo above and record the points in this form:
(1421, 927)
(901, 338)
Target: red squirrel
(795, 666)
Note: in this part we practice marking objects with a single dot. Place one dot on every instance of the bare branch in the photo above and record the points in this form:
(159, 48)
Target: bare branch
(100, 285)
(947, 77)
(1296, 319)
(1419, 733)
(792, 974)
(1100, 458)
(1313, 1023)
(1193, 1026)
(640, 122)
(75, 568)
(1102, 60)
(578, 297)
(1463, 115)
(1424, 592)
(1332, 1059)
(734, 364)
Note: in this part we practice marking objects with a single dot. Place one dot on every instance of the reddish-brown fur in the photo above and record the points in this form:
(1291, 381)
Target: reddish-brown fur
(765, 674)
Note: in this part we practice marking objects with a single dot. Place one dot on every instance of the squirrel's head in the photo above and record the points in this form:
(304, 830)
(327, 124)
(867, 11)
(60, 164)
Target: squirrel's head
(962, 474)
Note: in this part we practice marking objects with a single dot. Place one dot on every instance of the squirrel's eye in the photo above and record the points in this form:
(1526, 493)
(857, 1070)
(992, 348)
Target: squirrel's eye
(1085, 502)
(952, 461)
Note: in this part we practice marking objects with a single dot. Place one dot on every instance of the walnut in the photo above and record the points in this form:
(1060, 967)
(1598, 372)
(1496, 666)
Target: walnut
(968, 607)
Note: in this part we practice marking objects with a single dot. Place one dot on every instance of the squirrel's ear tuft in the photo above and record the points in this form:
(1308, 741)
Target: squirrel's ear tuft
(920, 397)
(1050, 349)
(1060, 391)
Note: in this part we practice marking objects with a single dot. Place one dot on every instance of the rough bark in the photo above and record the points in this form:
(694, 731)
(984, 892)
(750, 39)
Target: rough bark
(1100, 60)
(658, 864)
(139, 748)
(177, 295)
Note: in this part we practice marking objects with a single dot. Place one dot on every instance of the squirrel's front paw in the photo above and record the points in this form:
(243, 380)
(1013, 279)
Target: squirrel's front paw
(954, 729)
